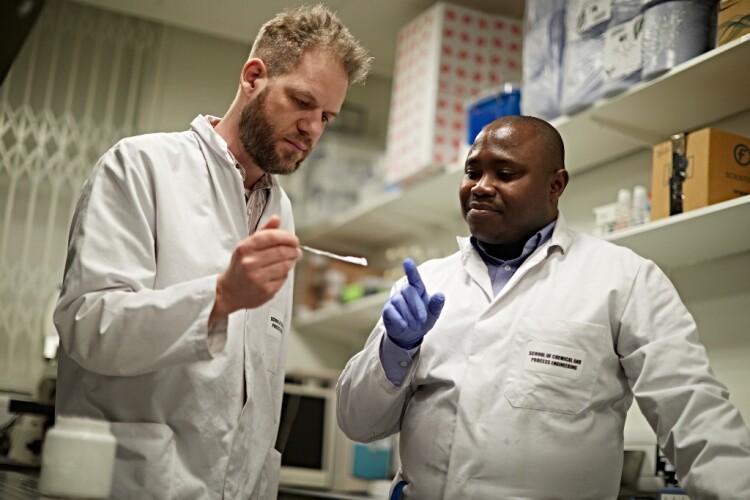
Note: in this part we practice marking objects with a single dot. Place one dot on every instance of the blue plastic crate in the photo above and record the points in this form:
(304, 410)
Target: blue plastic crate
(491, 107)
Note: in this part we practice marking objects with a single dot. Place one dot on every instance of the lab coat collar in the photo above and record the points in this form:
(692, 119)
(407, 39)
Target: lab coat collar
(561, 240)
(562, 236)
(201, 125)
(203, 128)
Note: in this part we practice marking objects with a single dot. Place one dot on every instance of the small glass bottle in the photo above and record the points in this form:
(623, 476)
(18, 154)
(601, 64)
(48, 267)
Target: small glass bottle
(78, 458)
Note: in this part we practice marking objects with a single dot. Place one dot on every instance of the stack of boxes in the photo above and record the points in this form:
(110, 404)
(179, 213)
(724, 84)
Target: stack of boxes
(444, 57)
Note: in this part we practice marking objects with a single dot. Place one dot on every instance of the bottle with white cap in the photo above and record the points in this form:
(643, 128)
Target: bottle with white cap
(78, 458)
(639, 213)
(622, 209)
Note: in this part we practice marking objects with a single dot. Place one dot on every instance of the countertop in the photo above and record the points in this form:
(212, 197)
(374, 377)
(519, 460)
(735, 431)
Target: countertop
(16, 485)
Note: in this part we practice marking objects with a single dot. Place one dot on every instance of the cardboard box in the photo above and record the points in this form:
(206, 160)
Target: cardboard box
(718, 169)
(733, 20)
(444, 57)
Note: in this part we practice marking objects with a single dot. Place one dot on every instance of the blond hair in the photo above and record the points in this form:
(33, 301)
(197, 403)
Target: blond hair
(283, 40)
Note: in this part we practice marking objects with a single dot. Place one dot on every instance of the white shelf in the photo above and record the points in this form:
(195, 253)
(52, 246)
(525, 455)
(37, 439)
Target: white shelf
(705, 89)
(697, 236)
(700, 91)
(693, 237)
(349, 323)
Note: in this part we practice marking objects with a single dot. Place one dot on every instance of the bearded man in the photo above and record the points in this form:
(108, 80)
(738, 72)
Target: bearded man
(176, 301)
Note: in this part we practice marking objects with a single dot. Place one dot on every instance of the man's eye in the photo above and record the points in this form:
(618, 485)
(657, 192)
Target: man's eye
(325, 119)
(471, 174)
(300, 103)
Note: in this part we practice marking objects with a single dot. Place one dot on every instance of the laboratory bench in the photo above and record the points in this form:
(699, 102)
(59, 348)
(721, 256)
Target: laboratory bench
(22, 485)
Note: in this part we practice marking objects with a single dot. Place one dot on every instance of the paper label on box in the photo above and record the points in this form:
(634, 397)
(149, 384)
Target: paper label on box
(622, 49)
(592, 13)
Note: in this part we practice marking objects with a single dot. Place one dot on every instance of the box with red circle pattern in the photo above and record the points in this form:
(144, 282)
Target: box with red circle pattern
(444, 57)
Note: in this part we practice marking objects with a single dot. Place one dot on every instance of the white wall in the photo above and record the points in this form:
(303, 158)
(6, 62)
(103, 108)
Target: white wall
(197, 74)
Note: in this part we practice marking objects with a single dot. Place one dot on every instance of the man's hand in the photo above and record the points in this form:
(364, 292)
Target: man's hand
(259, 267)
(410, 313)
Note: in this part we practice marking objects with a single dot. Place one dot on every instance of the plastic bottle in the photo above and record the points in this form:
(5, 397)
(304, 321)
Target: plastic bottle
(639, 213)
(78, 458)
(622, 209)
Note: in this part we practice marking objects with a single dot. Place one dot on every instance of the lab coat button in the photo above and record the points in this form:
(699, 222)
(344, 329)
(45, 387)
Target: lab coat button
(403, 363)
(507, 267)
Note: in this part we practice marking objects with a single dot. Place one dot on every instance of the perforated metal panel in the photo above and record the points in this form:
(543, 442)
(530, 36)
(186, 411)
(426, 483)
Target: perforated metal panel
(73, 91)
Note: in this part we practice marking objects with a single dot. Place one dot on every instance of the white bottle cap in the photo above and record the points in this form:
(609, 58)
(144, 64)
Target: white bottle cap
(640, 197)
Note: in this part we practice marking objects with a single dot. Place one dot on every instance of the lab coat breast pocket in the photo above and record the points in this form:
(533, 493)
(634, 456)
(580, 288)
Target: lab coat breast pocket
(554, 364)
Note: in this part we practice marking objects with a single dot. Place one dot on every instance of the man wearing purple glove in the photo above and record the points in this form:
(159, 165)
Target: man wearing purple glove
(521, 387)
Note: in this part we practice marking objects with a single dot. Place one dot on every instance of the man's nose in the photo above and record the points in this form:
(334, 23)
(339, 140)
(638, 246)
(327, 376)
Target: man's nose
(483, 186)
(311, 125)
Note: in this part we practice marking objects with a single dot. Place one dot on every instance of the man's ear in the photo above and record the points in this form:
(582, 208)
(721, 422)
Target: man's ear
(253, 73)
(559, 181)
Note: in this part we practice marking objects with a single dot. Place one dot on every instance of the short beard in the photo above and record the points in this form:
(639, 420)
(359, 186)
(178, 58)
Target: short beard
(257, 138)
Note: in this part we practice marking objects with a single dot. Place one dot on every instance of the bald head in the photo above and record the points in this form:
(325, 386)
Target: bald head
(550, 142)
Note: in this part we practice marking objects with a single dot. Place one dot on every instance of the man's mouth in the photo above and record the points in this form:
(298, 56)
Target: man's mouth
(301, 146)
(482, 207)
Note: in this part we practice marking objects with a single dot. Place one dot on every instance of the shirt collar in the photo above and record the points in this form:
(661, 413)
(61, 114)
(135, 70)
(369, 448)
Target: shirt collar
(534, 242)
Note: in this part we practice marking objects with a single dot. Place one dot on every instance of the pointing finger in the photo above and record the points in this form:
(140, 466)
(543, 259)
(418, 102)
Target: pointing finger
(412, 275)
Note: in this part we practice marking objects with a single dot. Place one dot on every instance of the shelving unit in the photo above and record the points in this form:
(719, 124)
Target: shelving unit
(672, 243)
(701, 235)
(701, 91)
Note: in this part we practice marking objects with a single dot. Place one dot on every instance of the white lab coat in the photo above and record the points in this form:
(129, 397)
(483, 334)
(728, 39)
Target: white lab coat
(156, 223)
(483, 416)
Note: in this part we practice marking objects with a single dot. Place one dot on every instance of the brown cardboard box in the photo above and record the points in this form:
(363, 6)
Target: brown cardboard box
(733, 20)
(718, 170)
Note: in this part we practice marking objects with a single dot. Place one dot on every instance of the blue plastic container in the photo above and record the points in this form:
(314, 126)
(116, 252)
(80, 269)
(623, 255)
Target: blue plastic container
(372, 461)
(491, 107)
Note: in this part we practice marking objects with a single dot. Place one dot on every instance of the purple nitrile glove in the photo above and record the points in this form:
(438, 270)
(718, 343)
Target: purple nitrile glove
(411, 312)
